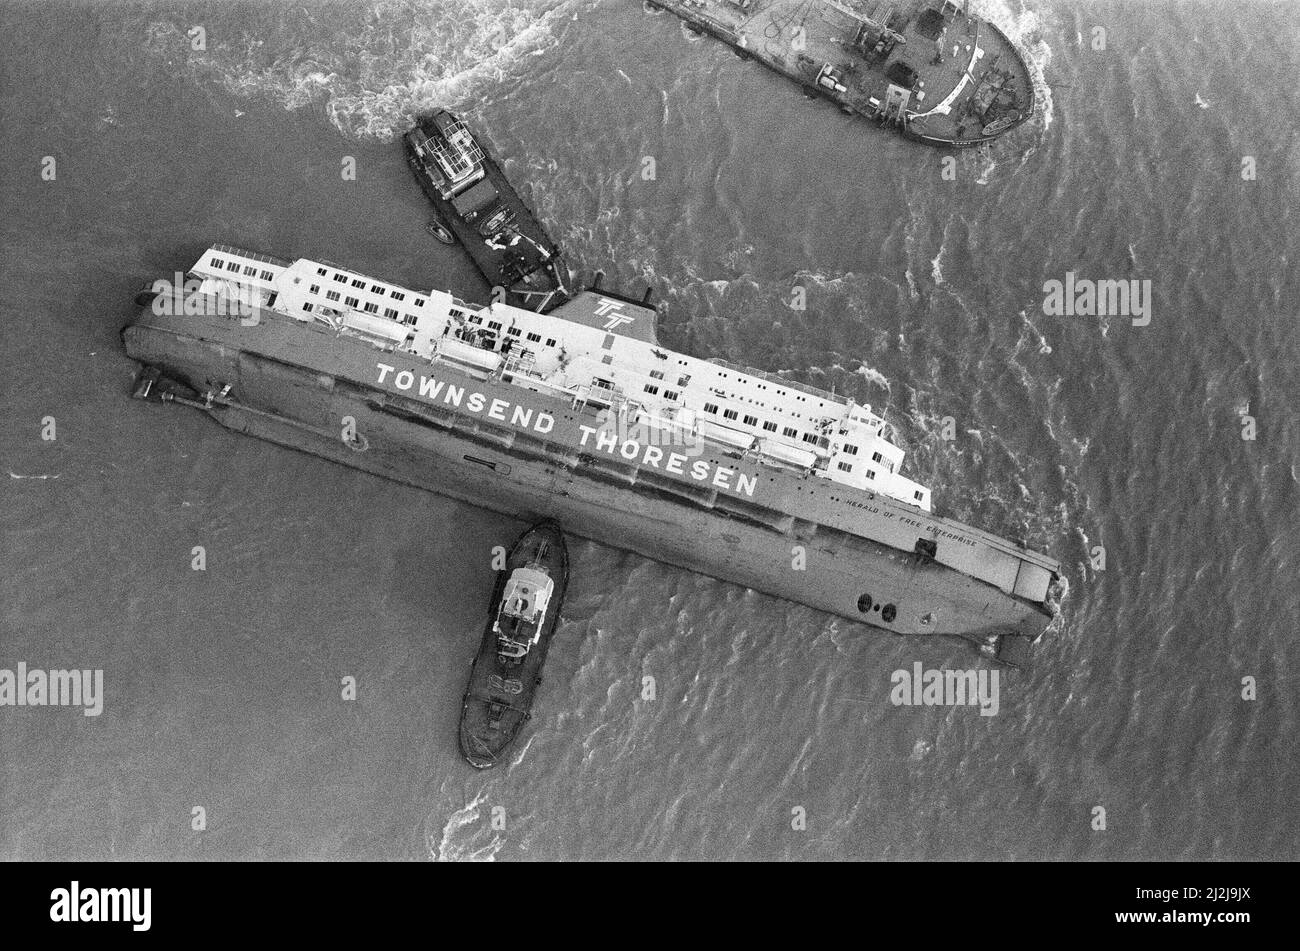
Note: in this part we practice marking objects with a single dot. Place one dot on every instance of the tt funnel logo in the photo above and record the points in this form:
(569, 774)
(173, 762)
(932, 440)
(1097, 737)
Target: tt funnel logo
(613, 310)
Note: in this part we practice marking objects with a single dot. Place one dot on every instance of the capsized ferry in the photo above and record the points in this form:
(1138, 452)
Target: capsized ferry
(580, 416)
(930, 69)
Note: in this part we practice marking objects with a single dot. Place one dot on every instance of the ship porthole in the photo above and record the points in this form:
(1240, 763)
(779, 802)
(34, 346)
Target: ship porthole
(864, 603)
(888, 613)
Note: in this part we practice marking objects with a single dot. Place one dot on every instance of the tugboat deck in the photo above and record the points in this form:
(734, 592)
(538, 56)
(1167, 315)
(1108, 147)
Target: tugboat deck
(953, 66)
(526, 261)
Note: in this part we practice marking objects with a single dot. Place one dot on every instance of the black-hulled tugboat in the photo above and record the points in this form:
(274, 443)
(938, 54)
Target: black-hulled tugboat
(475, 204)
(508, 668)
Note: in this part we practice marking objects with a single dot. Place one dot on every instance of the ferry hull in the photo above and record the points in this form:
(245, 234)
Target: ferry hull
(290, 405)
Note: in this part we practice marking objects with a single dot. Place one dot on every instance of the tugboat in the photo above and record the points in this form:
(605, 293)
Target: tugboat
(508, 666)
(930, 69)
(474, 204)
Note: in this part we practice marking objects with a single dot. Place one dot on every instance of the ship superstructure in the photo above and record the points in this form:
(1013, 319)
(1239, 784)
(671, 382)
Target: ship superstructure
(581, 415)
(455, 162)
(607, 358)
(522, 612)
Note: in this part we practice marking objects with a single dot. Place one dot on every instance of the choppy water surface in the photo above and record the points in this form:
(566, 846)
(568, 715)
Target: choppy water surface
(924, 297)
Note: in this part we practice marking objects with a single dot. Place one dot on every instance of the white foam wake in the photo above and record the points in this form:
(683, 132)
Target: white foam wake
(370, 81)
(1024, 27)
(456, 845)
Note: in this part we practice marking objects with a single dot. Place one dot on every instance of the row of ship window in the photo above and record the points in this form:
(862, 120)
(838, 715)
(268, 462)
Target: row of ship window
(374, 288)
(370, 307)
(763, 386)
(513, 331)
(233, 266)
(681, 380)
(790, 433)
(653, 388)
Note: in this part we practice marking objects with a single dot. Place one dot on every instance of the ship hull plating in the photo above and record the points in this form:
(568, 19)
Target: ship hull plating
(852, 577)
